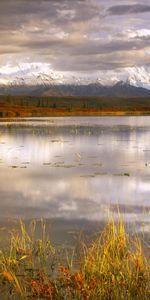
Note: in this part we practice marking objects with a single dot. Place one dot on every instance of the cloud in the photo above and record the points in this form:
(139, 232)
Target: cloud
(139, 33)
(74, 36)
(128, 9)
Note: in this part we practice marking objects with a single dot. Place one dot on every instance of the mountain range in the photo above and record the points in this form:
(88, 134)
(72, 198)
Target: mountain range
(119, 89)
(36, 79)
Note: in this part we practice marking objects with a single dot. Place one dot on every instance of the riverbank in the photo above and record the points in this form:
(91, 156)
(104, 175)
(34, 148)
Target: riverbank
(19, 113)
(113, 266)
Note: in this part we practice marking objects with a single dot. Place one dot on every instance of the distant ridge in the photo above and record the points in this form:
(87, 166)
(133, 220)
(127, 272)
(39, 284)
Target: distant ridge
(120, 89)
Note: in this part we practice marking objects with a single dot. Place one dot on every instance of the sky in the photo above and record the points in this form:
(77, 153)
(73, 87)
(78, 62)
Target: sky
(92, 39)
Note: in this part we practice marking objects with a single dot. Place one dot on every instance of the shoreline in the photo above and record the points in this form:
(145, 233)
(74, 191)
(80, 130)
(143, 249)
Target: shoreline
(48, 114)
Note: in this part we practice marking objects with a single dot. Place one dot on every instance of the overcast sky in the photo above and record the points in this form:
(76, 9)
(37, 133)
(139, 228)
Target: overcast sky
(85, 37)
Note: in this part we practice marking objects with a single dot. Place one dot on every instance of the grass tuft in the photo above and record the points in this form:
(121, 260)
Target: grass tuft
(113, 267)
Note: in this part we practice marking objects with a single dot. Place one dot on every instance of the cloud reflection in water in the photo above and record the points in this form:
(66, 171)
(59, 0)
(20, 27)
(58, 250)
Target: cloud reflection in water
(76, 169)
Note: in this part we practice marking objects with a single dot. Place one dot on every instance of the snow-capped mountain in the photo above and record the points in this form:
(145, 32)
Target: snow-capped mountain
(139, 77)
(135, 76)
(40, 79)
(38, 74)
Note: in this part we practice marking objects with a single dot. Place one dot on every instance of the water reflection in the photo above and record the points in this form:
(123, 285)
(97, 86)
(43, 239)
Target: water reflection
(75, 168)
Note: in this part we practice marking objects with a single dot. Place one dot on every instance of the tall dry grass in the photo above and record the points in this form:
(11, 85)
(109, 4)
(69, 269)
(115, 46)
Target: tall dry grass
(114, 266)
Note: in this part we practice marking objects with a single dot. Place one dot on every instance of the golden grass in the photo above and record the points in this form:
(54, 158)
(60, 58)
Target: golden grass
(113, 266)
(31, 111)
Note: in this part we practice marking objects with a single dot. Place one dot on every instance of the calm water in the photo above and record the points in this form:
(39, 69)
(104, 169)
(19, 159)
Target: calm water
(75, 169)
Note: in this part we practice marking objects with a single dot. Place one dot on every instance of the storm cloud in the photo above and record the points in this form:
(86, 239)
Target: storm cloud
(80, 36)
(129, 9)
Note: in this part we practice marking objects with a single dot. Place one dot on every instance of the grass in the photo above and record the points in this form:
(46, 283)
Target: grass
(114, 266)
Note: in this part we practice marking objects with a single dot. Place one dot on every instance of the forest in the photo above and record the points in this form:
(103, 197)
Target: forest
(29, 106)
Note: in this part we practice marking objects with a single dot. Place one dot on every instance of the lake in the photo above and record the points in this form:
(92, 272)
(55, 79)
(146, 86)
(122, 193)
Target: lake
(75, 170)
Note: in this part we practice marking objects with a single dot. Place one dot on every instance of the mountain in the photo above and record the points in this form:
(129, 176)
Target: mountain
(120, 89)
(31, 77)
(139, 77)
(126, 89)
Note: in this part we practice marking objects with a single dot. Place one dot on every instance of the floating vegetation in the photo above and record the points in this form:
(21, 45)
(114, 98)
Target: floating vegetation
(97, 164)
(68, 166)
(60, 164)
(14, 167)
(88, 176)
(59, 141)
(56, 141)
(100, 173)
(126, 174)
(122, 174)
(118, 174)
